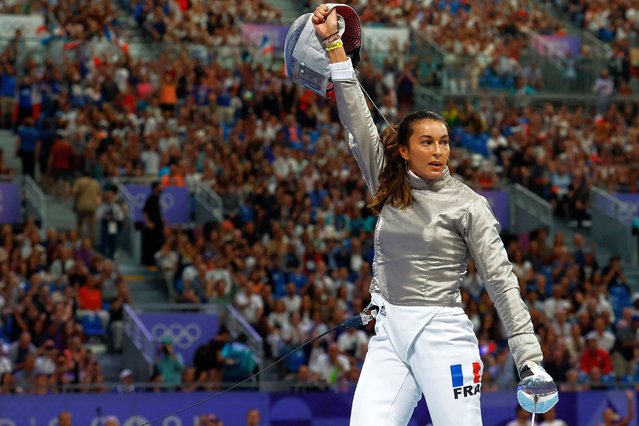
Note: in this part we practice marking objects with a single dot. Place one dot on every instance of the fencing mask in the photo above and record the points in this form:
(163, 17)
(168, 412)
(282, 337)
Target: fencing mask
(304, 56)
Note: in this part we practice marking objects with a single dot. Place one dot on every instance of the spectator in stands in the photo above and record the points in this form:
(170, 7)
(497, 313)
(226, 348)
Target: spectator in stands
(21, 349)
(111, 421)
(65, 419)
(25, 101)
(209, 420)
(90, 301)
(239, 363)
(253, 417)
(604, 89)
(5, 363)
(8, 85)
(116, 314)
(25, 376)
(522, 418)
(605, 339)
(59, 166)
(46, 361)
(550, 419)
(86, 199)
(249, 302)
(153, 226)
(331, 365)
(613, 274)
(169, 363)
(208, 356)
(594, 357)
(610, 417)
(28, 146)
(110, 214)
(623, 353)
(168, 261)
(191, 382)
(354, 343)
(127, 382)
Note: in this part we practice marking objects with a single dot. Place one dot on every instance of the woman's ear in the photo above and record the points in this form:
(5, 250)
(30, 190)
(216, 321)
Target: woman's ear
(403, 151)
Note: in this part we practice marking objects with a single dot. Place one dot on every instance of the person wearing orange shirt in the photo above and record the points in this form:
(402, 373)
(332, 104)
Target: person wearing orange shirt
(173, 178)
(90, 300)
(168, 93)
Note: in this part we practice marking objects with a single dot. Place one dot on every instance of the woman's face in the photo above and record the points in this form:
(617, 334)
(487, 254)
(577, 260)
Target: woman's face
(428, 149)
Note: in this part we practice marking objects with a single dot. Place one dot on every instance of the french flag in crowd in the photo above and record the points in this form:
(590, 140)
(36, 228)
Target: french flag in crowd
(70, 45)
(45, 36)
(266, 46)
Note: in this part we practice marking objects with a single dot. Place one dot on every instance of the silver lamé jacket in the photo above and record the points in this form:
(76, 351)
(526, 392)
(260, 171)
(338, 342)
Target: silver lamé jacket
(421, 252)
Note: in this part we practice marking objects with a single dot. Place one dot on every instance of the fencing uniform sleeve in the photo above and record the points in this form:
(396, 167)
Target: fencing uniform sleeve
(481, 233)
(354, 114)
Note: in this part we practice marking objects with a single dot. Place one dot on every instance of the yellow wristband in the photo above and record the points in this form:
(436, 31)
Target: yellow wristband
(334, 45)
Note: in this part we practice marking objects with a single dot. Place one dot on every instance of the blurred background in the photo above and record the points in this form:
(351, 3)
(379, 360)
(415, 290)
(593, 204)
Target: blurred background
(177, 215)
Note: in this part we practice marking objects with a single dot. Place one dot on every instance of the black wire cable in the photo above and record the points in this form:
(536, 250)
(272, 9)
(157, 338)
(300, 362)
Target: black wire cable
(351, 322)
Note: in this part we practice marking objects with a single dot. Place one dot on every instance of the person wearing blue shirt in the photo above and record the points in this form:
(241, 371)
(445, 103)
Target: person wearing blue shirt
(28, 146)
(25, 100)
(7, 93)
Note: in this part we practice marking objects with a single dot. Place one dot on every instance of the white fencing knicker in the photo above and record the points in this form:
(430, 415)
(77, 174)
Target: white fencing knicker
(430, 350)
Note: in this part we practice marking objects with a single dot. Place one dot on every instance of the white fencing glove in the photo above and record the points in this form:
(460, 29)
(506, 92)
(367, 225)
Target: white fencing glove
(537, 392)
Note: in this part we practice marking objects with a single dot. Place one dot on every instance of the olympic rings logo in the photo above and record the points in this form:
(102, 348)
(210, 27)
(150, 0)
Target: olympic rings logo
(183, 336)
(139, 200)
(167, 201)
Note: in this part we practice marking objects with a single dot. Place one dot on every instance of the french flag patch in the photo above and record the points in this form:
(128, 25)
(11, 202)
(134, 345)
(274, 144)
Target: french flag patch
(465, 387)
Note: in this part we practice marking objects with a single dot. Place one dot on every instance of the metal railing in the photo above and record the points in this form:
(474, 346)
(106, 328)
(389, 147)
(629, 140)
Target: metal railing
(528, 211)
(138, 345)
(36, 201)
(426, 98)
(548, 50)
(237, 325)
(612, 224)
(233, 320)
(208, 204)
(598, 48)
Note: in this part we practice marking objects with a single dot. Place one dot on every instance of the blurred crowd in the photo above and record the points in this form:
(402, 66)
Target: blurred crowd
(57, 293)
(556, 151)
(616, 23)
(211, 23)
(485, 42)
(293, 252)
(611, 21)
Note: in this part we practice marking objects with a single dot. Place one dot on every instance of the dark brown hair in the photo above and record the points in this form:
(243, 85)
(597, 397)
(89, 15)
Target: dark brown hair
(394, 186)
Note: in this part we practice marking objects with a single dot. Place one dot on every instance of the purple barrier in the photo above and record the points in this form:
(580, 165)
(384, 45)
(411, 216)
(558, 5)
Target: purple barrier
(174, 201)
(631, 199)
(9, 202)
(277, 409)
(275, 34)
(186, 330)
(500, 203)
(562, 44)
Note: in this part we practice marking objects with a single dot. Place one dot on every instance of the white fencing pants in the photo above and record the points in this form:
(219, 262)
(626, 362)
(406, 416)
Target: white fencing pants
(443, 363)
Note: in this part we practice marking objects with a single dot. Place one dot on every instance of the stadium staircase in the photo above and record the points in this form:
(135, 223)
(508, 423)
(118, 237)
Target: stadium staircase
(596, 46)
(129, 29)
(145, 286)
(291, 9)
(603, 256)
